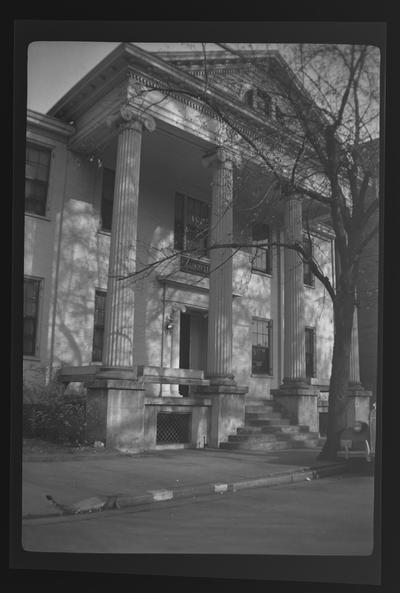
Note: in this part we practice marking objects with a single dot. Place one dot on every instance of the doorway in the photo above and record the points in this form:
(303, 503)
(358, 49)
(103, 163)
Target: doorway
(193, 343)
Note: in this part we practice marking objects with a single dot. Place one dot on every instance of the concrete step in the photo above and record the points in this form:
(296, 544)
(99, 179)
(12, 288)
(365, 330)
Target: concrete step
(262, 415)
(282, 428)
(270, 422)
(259, 402)
(258, 436)
(249, 430)
(260, 408)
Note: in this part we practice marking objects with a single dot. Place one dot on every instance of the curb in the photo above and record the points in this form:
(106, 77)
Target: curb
(120, 501)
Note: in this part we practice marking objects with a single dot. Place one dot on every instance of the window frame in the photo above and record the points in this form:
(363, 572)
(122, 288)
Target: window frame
(181, 224)
(97, 326)
(267, 270)
(308, 276)
(311, 330)
(37, 318)
(103, 200)
(49, 149)
(269, 332)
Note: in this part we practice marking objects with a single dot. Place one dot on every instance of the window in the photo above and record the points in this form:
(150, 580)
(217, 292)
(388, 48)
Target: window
(31, 315)
(280, 117)
(308, 276)
(264, 102)
(107, 199)
(261, 347)
(310, 351)
(98, 330)
(191, 224)
(261, 256)
(248, 98)
(37, 168)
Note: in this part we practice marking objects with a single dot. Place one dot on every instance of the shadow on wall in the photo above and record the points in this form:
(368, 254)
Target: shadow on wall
(78, 273)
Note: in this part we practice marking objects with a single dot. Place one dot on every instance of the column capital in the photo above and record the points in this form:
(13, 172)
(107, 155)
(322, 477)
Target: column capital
(128, 118)
(220, 156)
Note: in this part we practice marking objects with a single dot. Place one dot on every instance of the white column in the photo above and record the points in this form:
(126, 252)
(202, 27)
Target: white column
(219, 354)
(120, 300)
(354, 376)
(294, 321)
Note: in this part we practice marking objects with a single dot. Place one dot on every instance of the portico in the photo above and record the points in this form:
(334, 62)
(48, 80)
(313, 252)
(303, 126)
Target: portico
(227, 325)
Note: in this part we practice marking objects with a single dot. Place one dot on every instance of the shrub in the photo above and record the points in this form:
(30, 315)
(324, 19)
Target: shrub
(50, 415)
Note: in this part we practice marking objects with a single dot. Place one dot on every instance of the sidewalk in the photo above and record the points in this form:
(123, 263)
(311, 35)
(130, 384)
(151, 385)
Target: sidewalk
(117, 481)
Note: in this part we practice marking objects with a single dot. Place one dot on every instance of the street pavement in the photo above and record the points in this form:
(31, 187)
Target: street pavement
(332, 516)
(90, 483)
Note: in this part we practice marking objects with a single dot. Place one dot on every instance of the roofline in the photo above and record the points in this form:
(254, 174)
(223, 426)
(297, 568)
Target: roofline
(164, 61)
(49, 123)
(214, 55)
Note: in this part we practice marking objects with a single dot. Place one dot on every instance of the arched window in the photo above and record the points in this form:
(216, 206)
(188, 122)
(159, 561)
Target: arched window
(264, 103)
(248, 98)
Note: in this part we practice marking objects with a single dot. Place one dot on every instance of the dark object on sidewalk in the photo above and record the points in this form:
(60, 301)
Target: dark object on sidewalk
(359, 440)
(88, 505)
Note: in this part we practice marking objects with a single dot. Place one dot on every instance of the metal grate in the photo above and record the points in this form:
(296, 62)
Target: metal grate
(173, 427)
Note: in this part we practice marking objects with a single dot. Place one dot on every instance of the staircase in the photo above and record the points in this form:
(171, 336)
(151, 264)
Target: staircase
(267, 428)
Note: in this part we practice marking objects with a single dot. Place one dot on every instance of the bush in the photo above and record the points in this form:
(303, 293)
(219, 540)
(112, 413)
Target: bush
(50, 415)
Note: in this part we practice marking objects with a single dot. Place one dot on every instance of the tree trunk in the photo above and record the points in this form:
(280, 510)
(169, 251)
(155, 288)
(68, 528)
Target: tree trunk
(339, 380)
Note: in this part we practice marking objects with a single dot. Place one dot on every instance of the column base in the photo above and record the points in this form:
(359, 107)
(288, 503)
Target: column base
(115, 413)
(358, 405)
(300, 401)
(227, 411)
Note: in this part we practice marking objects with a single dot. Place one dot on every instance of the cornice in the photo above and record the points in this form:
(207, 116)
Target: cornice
(50, 124)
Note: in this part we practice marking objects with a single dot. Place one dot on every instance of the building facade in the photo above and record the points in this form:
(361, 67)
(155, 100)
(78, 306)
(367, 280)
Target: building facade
(129, 185)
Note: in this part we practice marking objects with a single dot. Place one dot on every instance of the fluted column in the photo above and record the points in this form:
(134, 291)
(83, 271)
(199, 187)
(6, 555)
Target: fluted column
(120, 300)
(354, 377)
(294, 328)
(219, 354)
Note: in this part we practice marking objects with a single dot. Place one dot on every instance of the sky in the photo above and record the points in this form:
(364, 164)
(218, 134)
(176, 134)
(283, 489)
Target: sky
(55, 66)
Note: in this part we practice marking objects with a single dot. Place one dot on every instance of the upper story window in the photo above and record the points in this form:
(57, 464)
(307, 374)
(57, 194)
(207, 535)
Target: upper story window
(261, 256)
(310, 351)
(37, 169)
(107, 199)
(308, 276)
(31, 315)
(261, 340)
(98, 326)
(264, 103)
(279, 115)
(249, 98)
(191, 224)
(260, 100)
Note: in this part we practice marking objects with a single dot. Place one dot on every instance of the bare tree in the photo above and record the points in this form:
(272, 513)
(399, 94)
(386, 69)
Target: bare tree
(309, 126)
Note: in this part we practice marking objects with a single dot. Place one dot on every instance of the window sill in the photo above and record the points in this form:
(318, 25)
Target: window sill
(309, 285)
(39, 216)
(260, 273)
(103, 232)
(261, 376)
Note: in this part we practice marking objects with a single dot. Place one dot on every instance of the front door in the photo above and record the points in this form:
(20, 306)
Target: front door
(193, 343)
